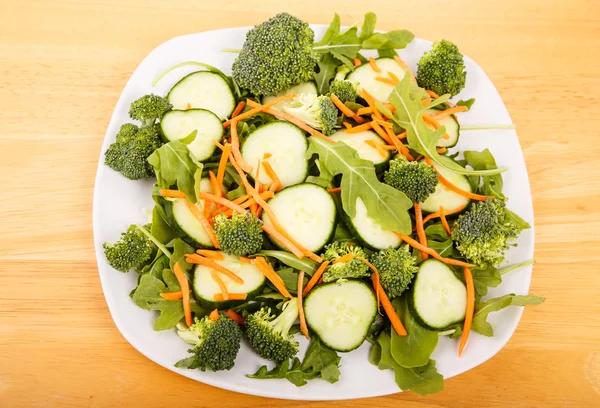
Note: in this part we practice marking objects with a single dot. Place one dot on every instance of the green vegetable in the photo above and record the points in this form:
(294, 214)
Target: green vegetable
(269, 335)
(325, 71)
(307, 265)
(132, 250)
(416, 179)
(345, 90)
(129, 153)
(318, 112)
(486, 185)
(396, 270)
(442, 70)
(354, 268)
(483, 309)
(218, 343)
(149, 108)
(468, 103)
(385, 205)
(239, 235)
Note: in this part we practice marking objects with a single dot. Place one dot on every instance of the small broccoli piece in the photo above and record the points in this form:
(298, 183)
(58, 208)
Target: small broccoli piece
(345, 90)
(415, 179)
(354, 268)
(318, 112)
(130, 152)
(482, 232)
(276, 55)
(132, 250)
(396, 270)
(126, 131)
(269, 335)
(442, 70)
(239, 235)
(217, 344)
(149, 108)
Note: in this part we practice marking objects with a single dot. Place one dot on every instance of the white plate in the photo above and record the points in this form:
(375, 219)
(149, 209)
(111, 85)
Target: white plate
(118, 203)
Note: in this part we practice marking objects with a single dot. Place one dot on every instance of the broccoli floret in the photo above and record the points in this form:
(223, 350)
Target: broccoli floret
(132, 250)
(239, 235)
(218, 343)
(354, 268)
(396, 270)
(415, 179)
(269, 335)
(149, 108)
(482, 232)
(345, 90)
(442, 70)
(318, 112)
(276, 55)
(129, 153)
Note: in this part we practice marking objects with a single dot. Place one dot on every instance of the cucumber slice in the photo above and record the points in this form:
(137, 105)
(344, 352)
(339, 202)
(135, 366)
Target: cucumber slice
(437, 299)
(341, 313)
(365, 76)
(305, 88)
(204, 90)
(285, 146)
(178, 124)
(307, 212)
(205, 287)
(452, 129)
(358, 141)
(372, 234)
(443, 196)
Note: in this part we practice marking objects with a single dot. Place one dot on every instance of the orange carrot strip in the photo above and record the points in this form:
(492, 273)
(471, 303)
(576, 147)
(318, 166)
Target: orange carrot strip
(374, 64)
(257, 109)
(185, 292)
(393, 77)
(171, 193)
(470, 310)
(224, 208)
(420, 229)
(235, 317)
(235, 147)
(385, 80)
(429, 119)
(444, 221)
(450, 111)
(402, 135)
(222, 166)
(405, 66)
(360, 128)
(218, 297)
(238, 109)
(197, 259)
(345, 110)
(441, 150)
(315, 278)
(214, 315)
(171, 295)
(432, 252)
(437, 214)
(270, 172)
(385, 301)
(301, 317)
(222, 201)
(419, 157)
(379, 147)
(245, 260)
(275, 187)
(371, 102)
(377, 128)
(347, 125)
(211, 254)
(457, 190)
(216, 191)
(383, 123)
(401, 147)
(205, 224)
(364, 111)
(221, 284)
(334, 190)
(272, 276)
(345, 258)
(279, 237)
(188, 106)
(432, 94)
(357, 62)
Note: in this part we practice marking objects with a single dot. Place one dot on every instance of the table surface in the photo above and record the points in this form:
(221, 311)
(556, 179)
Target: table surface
(63, 64)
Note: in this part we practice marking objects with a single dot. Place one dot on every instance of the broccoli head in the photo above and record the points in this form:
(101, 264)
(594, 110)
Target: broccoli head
(442, 70)
(239, 235)
(482, 232)
(276, 55)
(132, 250)
(318, 112)
(269, 335)
(415, 179)
(149, 108)
(353, 268)
(217, 344)
(129, 153)
(345, 90)
(396, 270)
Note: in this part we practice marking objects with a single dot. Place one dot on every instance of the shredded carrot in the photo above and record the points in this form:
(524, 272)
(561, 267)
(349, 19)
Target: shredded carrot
(214, 315)
(425, 102)
(405, 66)
(270, 172)
(401, 147)
(171, 193)
(188, 106)
(432, 252)
(420, 229)
(205, 224)
(222, 166)
(383, 123)
(402, 135)
(450, 111)
(444, 221)
(279, 237)
(469, 312)
(345, 110)
(374, 64)
(235, 317)
(364, 111)
(393, 77)
(437, 214)
(272, 276)
(211, 254)
(238, 109)
(377, 128)
(198, 260)
(457, 190)
(222, 201)
(257, 109)
(357, 62)
(345, 258)
(218, 297)
(171, 295)
(334, 190)
(221, 284)
(347, 125)
(185, 292)
(432, 94)
(429, 119)
(315, 278)
(387, 81)
(371, 102)
(385, 301)
(292, 120)
(265, 195)
(224, 208)
(419, 157)
(235, 147)
(360, 128)
(216, 188)
(301, 317)
(441, 150)
(275, 187)
(245, 260)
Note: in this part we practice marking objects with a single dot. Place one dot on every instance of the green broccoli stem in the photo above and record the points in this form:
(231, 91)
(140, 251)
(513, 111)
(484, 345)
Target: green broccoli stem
(511, 268)
(231, 50)
(485, 127)
(156, 242)
(287, 318)
(184, 64)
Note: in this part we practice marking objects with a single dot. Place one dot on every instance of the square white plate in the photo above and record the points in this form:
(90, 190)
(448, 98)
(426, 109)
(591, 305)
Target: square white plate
(118, 203)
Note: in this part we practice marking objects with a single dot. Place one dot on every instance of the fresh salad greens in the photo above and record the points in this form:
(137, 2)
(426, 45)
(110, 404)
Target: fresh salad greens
(316, 185)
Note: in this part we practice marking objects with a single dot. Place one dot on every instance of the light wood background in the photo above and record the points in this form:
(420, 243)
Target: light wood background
(63, 64)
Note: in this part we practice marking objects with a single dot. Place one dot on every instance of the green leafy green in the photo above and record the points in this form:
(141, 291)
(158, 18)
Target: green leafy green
(468, 103)
(385, 204)
(325, 73)
(307, 265)
(483, 309)
(290, 279)
(180, 248)
(160, 227)
(368, 26)
(147, 296)
(484, 278)
(511, 268)
(488, 185)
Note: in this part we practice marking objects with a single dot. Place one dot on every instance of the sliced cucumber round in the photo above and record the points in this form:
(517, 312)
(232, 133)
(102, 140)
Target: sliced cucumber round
(443, 196)
(178, 124)
(358, 141)
(305, 88)
(204, 90)
(341, 313)
(205, 287)
(452, 129)
(371, 233)
(307, 212)
(283, 146)
(437, 299)
(366, 76)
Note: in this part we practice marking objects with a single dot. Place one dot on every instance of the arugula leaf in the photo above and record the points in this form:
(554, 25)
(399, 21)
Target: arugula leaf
(180, 248)
(307, 265)
(320, 359)
(468, 103)
(484, 278)
(385, 204)
(386, 53)
(483, 309)
(368, 26)
(326, 71)
(516, 220)
(429, 380)
(160, 227)
(290, 279)
(484, 160)
(147, 296)
(160, 263)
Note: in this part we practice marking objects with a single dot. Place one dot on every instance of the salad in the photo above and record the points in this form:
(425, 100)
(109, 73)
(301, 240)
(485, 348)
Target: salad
(316, 192)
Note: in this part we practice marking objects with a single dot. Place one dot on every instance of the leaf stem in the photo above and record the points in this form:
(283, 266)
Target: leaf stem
(485, 127)
(231, 50)
(155, 241)
(511, 268)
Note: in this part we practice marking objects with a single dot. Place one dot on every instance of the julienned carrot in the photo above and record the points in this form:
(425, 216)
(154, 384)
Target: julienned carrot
(345, 110)
(223, 165)
(444, 221)
(235, 317)
(347, 125)
(224, 208)
(432, 252)
(218, 297)
(334, 190)
(401, 147)
(301, 317)
(222, 201)
(221, 284)
(214, 315)
(379, 147)
(402, 135)
(432, 94)
(291, 119)
(265, 195)
(275, 187)
(185, 291)
(433, 122)
(385, 302)
(419, 157)
(269, 229)
(245, 260)
(405, 67)
(420, 229)
(364, 111)
(238, 109)
(315, 278)
(441, 150)
(386, 80)
(379, 130)
(216, 191)
(188, 106)
(235, 147)
(197, 259)
(272, 276)
(357, 62)
(450, 111)
(371, 102)
(171, 295)
(205, 224)
(171, 193)
(256, 109)
(345, 258)
(360, 128)
(270, 172)
(394, 77)
(457, 190)
(470, 310)
(374, 64)
(210, 254)
(375, 279)
(383, 123)
(437, 214)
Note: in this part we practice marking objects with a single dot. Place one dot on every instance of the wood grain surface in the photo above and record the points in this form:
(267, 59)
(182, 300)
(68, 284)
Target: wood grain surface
(63, 64)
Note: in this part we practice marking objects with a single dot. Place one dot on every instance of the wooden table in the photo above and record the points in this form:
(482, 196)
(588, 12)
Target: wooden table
(63, 64)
